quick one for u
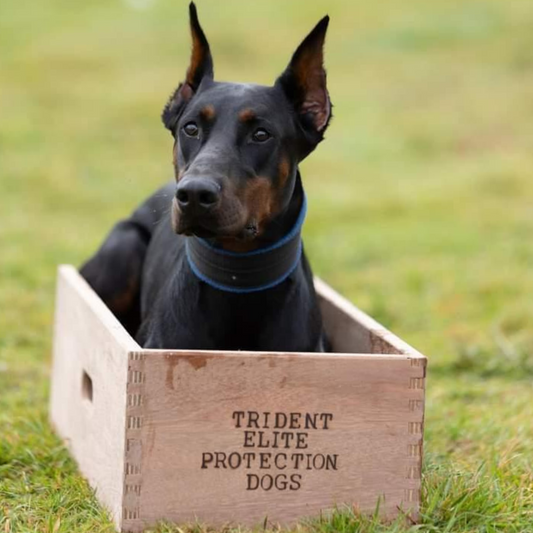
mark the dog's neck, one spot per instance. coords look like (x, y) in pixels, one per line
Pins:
(272, 261)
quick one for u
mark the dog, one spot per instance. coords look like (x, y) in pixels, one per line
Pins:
(214, 260)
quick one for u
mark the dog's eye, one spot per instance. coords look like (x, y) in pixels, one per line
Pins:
(260, 135)
(191, 129)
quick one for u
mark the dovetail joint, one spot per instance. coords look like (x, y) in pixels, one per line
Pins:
(411, 495)
(131, 443)
(413, 472)
(133, 489)
(415, 450)
(135, 422)
(135, 400)
(132, 469)
(416, 383)
(135, 377)
(415, 428)
(416, 405)
(131, 514)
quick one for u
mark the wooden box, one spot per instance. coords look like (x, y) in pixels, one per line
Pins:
(237, 437)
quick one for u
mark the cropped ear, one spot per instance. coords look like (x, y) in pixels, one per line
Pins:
(304, 83)
(200, 68)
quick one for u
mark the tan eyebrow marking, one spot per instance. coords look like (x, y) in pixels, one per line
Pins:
(208, 112)
(246, 115)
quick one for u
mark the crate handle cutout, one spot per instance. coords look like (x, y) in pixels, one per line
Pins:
(87, 387)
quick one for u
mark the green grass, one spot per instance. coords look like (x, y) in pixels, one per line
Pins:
(421, 212)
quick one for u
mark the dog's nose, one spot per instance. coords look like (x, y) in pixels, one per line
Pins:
(197, 195)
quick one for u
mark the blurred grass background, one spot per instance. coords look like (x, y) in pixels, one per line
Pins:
(421, 212)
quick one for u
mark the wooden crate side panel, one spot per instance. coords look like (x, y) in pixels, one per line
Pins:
(353, 331)
(370, 449)
(88, 341)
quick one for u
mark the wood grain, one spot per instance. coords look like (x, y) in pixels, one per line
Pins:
(171, 434)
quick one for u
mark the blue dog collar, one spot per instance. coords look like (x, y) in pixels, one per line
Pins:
(247, 272)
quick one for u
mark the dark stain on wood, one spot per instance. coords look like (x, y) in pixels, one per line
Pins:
(197, 361)
(169, 380)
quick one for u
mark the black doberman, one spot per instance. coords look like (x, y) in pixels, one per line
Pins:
(216, 262)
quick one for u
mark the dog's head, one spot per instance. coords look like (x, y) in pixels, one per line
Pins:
(237, 146)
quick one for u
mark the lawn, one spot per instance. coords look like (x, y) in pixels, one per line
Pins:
(421, 212)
